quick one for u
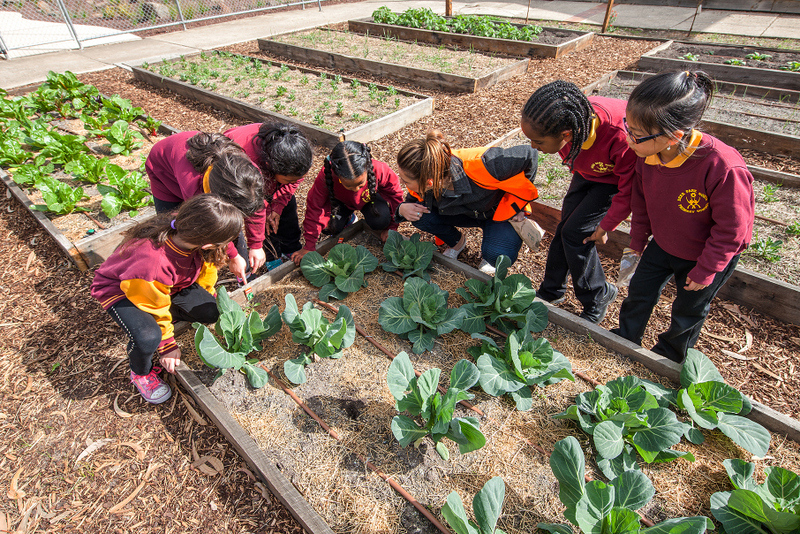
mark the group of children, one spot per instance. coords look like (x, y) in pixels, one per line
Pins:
(690, 196)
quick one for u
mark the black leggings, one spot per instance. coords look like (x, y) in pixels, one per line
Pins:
(376, 214)
(144, 335)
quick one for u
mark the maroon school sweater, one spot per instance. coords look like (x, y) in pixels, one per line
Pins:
(606, 158)
(698, 208)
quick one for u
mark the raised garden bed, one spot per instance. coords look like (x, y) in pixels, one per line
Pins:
(428, 67)
(728, 62)
(351, 396)
(318, 104)
(754, 282)
(551, 42)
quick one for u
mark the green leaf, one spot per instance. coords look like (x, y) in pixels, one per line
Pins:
(464, 375)
(111, 205)
(455, 515)
(406, 431)
(719, 397)
(749, 504)
(632, 490)
(466, 432)
(784, 486)
(614, 467)
(733, 521)
(488, 503)
(522, 398)
(555, 528)
(496, 377)
(621, 521)
(741, 473)
(698, 368)
(745, 433)
(680, 525)
(295, 369)
(663, 432)
(664, 395)
(212, 354)
(400, 373)
(595, 504)
(350, 333)
(427, 384)
(256, 375)
(394, 318)
(441, 449)
(313, 267)
(608, 439)
(567, 463)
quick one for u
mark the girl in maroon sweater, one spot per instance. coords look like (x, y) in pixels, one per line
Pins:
(589, 135)
(350, 180)
(694, 195)
(165, 270)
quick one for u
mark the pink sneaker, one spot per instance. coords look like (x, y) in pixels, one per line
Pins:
(153, 389)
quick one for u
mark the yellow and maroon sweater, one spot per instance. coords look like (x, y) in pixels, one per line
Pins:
(148, 275)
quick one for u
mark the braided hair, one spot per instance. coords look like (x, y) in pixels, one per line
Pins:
(348, 160)
(557, 107)
(425, 160)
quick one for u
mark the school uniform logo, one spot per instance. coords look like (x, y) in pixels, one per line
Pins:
(692, 201)
(602, 168)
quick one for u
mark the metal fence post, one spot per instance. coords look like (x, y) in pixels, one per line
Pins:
(3, 47)
(319, 3)
(180, 14)
(68, 20)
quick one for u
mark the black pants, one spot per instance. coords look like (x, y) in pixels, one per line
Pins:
(689, 310)
(584, 206)
(144, 335)
(376, 214)
(287, 239)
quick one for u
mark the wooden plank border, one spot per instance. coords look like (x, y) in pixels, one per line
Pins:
(427, 79)
(365, 133)
(730, 73)
(578, 39)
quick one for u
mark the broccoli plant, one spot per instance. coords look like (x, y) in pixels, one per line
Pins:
(342, 273)
(487, 505)
(242, 333)
(608, 508)
(126, 191)
(122, 139)
(411, 256)
(60, 198)
(420, 315)
(504, 301)
(753, 508)
(312, 329)
(419, 397)
(523, 362)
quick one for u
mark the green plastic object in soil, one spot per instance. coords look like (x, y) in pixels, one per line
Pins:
(242, 334)
(342, 273)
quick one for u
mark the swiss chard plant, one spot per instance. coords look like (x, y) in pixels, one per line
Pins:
(420, 315)
(60, 198)
(122, 139)
(325, 339)
(342, 273)
(522, 362)
(127, 191)
(87, 168)
(60, 148)
(30, 173)
(411, 256)
(487, 505)
(607, 508)
(753, 508)
(419, 397)
(623, 417)
(506, 302)
(242, 333)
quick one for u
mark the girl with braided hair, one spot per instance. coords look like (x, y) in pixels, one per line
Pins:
(284, 156)
(589, 135)
(350, 180)
(694, 195)
(187, 164)
(470, 187)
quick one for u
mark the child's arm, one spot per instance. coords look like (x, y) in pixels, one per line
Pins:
(390, 189)
(317, 216)
(640, 222)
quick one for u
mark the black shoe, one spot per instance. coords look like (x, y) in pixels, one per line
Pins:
(601, 309)
(554, 302)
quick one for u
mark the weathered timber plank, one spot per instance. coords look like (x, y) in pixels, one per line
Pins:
(776, 177)
(392, 122)
(740, 137)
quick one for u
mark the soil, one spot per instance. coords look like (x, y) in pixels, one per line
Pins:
(723, 54)
(62, 358)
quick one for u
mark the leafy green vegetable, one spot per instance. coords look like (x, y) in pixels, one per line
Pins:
(502, 301)
(608, 508)
(87, 168)
(420, 315)
(31, 173)
(60, 148)
(117, 108)
(60, 198)
(523, 362)
(480, 25)
(487, 505)
(419, 397)
(242, 333)
(123, 140)
(753, 508)
(411, 256)
(11, 152)
(311, 328)
(342, 273)
(127, 191)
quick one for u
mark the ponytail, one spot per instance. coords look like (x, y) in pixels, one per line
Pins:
(425, 160)
(204, 149)
(282, 149)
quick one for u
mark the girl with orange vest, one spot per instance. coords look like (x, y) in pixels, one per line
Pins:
(471, 187)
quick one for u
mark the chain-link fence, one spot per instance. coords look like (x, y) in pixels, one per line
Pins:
(41, 24)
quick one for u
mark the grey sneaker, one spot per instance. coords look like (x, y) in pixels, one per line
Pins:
(453, 252)
(601, 309)
(153, 389)
(486, 267)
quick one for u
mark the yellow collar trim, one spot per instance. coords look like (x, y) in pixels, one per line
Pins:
(592, 134)
(175, 247)
(694, 142)
(206, 188)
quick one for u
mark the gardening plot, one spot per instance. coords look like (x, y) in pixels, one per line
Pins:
(435, 68)
(351, 395)
(321, 105)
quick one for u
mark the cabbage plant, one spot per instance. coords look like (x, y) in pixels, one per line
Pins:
(420, 398)
(342, 273)
(487, 505)
(411, 256)
(420, 315)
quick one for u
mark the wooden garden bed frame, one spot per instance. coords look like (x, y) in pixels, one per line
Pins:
(90, 250)
(506, 47)
(729, 73)
(427, 79)
(291, 498)
(365, 133)
(764, 294)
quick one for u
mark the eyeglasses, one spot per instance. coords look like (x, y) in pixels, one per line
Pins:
(635, 139)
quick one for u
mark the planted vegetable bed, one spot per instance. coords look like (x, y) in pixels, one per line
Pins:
(476, 32)
(435, 68)
(319, 104)
(75, 159)
(731, 63)
(361, 396)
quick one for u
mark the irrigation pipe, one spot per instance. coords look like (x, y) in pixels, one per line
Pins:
(335, 435)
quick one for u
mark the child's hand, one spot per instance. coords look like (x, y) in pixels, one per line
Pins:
(599, 236)
(238, 267)
(257, 258)
(272, 222)
(693, 286)
(171, 360)
(298, 256)
(384, 235)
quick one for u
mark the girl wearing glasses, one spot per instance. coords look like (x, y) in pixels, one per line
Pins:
(694, 195)
(589, 135)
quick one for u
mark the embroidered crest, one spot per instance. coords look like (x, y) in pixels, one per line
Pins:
(365, 195)
(692, 201)
(603, 168)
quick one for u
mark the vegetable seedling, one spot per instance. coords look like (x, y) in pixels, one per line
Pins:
(411, 256)
(487, 505)
(342, 273)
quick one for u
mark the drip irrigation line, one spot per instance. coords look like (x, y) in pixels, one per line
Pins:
(335, 435)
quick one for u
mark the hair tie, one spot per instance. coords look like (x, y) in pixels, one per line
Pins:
(172, 224)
